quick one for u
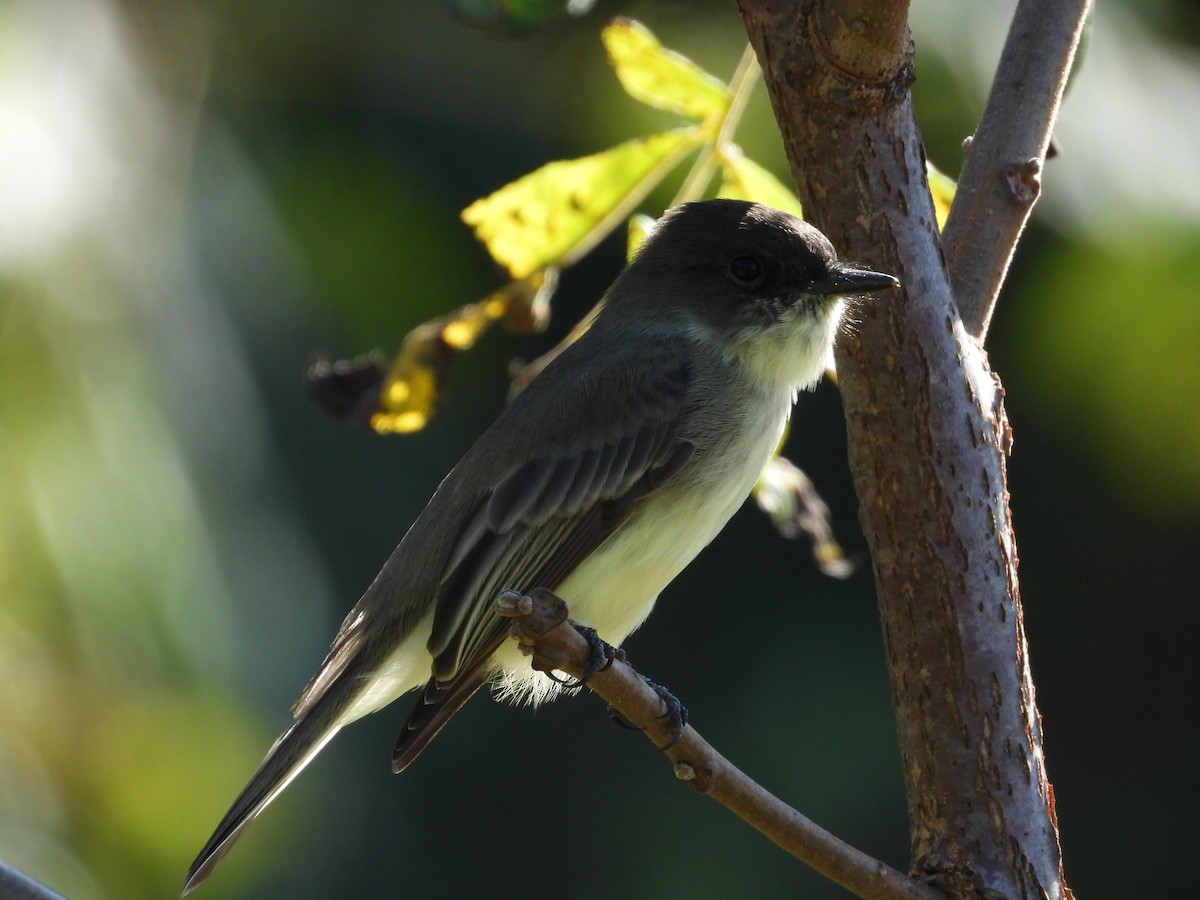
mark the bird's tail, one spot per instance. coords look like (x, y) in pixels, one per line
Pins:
(293, 750)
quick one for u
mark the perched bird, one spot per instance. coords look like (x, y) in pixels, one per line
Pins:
(601, 481)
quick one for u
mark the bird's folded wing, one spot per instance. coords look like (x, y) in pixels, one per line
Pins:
(544, 517)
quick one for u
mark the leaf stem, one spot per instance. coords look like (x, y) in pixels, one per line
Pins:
(745, 77)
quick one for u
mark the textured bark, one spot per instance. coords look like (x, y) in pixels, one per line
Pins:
(928, 438)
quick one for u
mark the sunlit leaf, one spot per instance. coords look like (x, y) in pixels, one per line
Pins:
(942, 187)
(536, 220)
(660, 77)
(415, 382)
(419, 372)
(789, 497)
(744, 179)
(405, 402)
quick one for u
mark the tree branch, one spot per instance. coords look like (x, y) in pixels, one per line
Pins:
(15, 885)
(542, 629)
(1001, 178)
(928, 437)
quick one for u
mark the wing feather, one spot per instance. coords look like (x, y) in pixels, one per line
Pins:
(545, 516)
(585, 474)
(550, 502)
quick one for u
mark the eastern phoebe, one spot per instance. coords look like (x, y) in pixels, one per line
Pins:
(601, 481)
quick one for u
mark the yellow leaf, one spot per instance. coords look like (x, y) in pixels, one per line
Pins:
(942, 187)
(414, 383)
(418, 373)
(463, 328)
(537, 220)
(659, 77)
(744, 179)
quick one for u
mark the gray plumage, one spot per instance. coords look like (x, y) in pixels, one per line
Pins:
(602, 480)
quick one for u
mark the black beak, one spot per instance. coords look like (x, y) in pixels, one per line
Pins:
(847, 280)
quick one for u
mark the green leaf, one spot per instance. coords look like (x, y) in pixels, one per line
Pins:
(560, 209)
(744, 179)
(659, 77)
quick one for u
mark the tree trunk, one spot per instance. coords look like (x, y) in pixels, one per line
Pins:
(928, 442)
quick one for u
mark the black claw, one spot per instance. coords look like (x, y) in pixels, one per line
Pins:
(621, 722)
(602, 657)
(676, 712)
(603, 653)
(565, 680)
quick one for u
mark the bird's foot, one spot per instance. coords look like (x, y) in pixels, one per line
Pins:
(675, 712)
(602, 658)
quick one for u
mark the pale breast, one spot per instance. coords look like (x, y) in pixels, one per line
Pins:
(615, 589)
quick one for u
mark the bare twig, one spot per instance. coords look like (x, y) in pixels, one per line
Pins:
(541, 627)
(1001, 178)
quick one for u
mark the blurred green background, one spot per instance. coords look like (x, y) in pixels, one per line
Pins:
(196, 197)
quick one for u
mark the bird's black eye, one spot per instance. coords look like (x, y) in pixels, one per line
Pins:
(745, 269)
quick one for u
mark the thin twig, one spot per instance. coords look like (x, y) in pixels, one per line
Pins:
(1001, 178)
(745, 77)
(541, 627)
